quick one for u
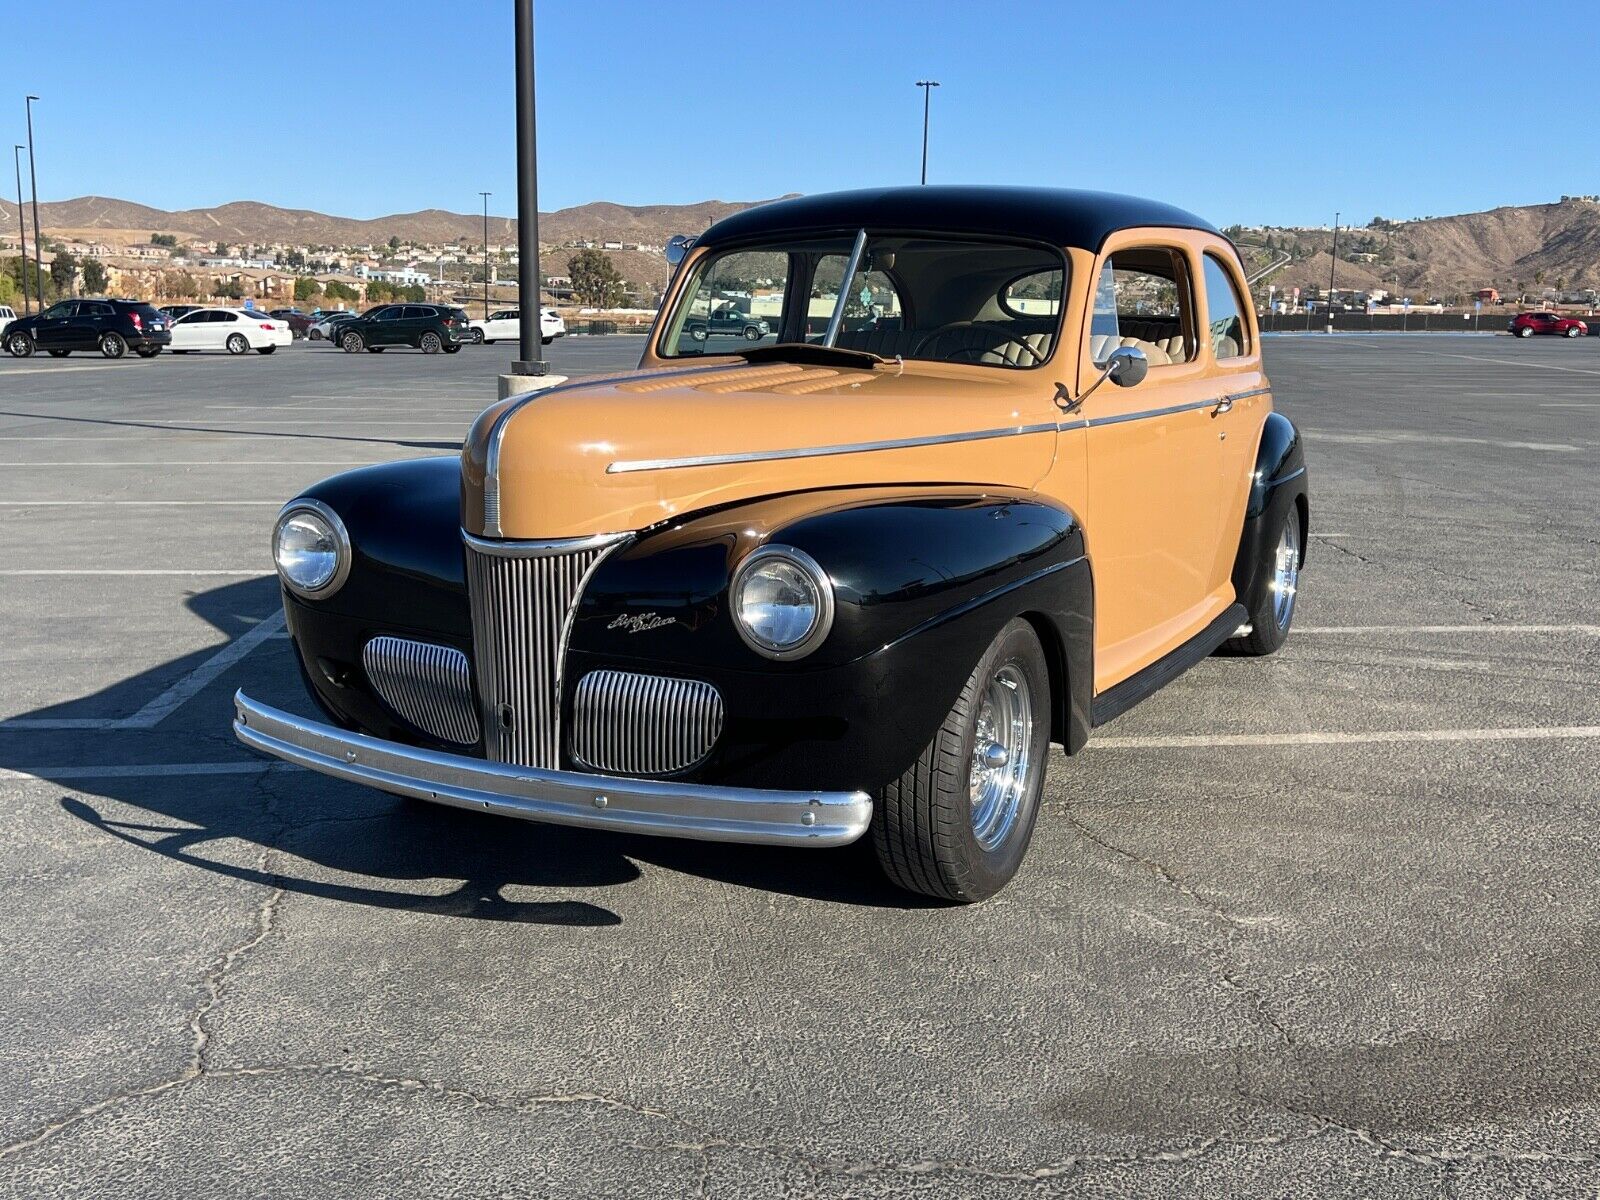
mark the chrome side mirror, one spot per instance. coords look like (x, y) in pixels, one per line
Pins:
(1127, 366)
(677, 248)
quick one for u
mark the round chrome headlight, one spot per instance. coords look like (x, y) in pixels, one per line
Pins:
(782, 602)
(311, 549)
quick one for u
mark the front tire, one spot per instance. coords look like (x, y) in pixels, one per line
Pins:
(113, 345)
(752, 334)
(1272, 609)
(1525, 331)
(546, 341)
(1573, 331)
(352, 343)
(956, 826)
(19, 344)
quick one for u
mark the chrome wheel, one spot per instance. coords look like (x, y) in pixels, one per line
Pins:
(1286, 573)
(1001, 750)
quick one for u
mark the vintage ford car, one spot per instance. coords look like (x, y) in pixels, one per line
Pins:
(1006, 464)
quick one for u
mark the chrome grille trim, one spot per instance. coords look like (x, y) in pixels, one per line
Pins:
(631, 724)
(522, 609)
(428, 685)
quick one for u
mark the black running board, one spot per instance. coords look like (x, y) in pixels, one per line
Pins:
(1115, 701)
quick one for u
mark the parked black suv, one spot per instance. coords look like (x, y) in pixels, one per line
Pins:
(429, 327)
(112, 327)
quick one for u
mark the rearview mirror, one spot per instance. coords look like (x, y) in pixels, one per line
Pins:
(1127, 366)
(678, 247)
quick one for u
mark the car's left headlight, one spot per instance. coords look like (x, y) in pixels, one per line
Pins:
(311, 549)
(782, 602)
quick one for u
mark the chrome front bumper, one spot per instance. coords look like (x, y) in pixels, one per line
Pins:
(687, 810)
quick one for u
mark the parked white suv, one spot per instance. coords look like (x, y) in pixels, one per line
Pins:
(7, 315)
(504, 326)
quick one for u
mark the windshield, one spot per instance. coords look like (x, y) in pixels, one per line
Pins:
(909, 296)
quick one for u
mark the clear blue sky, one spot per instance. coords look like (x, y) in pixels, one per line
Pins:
(1275, 112)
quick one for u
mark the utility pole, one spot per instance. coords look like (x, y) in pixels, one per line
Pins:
(530, 323)
(33, 184)
(485, 196)
(22, 229)
(1333, 265)
(927, 86)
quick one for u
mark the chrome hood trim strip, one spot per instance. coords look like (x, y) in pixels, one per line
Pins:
(515, 548)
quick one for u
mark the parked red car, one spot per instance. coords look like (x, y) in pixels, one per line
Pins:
(1528, 324)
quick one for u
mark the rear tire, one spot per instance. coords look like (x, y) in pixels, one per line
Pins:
(430, 343)
(477, 337)
(546, 341)
(453, 349)
(375, 349)
(113, 345)
(265, 349)
(149, 351)
(180, 352)
(1272, 609)
(957, 825)
(237, 343)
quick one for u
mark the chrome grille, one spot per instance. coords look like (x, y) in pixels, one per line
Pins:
(430, 686)
(522, 601)
(633, 724)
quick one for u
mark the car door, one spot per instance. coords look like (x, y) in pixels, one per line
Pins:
(50, 331)
(384, 327)
(92, 320)
(1153, 454)
(189, 331)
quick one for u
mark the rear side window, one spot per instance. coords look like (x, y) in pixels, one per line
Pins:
(1036, 295)
(1229, 335)
(1143, 299)
(96, 310)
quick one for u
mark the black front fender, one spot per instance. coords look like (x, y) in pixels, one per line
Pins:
(1278, 487)
(923, 580)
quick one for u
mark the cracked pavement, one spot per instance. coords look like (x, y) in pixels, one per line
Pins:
(1347, 969)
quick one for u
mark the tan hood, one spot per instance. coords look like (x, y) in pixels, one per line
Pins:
(625, 452)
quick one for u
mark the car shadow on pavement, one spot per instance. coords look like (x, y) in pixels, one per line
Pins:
(322, 837)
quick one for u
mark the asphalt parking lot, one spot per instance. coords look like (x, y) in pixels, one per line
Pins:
(1320, 924)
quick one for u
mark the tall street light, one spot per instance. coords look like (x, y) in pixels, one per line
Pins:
(33, 185)
(927, 86)
(485, 196)
(530, 358)
(1332, 267)
(22, 229)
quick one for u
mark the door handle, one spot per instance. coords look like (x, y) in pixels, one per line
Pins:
(1222, 406)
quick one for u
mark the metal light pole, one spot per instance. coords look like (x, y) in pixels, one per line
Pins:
(22, 229)
(1333, 265)
(927, 86)
(530, 360)
(485, 196)
(33, 185)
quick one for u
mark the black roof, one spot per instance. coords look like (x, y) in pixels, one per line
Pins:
(1058, 216)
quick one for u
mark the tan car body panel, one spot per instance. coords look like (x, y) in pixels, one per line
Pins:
(604, 455)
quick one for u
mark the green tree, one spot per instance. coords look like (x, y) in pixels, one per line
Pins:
(94, 277)
(231, 290)
(394, 244)
(63, 272)
(595, 279)
(334, 290)
(379, 292)
(306, 288)
(163, 239)
(222, 249)
(296, 260)
(8, 288)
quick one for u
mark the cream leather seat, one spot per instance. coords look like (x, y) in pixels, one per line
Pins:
(1161, 340)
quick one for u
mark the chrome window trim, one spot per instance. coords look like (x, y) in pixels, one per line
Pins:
(748, 456)
(341, 535)
(825, 602)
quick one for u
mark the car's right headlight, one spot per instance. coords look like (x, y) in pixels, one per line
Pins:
(782, 602)
(311, 549)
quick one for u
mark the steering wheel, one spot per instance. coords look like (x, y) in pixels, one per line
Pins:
(976, 353)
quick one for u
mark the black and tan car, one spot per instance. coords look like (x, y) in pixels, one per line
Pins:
(1010, 465)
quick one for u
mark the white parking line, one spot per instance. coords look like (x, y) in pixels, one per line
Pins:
(1208, 741)
(214, 462)
(164, 705)
(132, 503)
(1509, 362)
(99, 571)
(1573, 629)
(143, 770)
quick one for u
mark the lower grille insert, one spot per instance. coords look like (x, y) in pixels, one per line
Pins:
(429, 686)
(632, 724)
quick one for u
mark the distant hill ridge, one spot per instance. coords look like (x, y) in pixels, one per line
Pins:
(1554, 244)
(251, 221)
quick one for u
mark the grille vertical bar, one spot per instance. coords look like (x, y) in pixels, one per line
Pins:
(632, 724)
(520, 611)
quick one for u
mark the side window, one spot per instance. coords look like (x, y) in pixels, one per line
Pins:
(1036, 295)
(1143, 299)
(1229, 334)
(873, 302)
(97, 310)
(57, 312)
